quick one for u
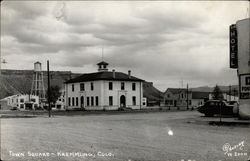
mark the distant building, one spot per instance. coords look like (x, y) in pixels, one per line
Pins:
(23, 102)
(199, 98)
(104, 90)
(178, 97)
(60, 103)
(226, 97)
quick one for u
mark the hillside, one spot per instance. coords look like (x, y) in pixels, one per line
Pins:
(234, 88)
(20, 81)
(151, 93)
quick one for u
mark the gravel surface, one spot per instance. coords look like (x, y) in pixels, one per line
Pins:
(183, 135)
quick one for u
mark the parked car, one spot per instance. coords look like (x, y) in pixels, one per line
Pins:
(214, 107)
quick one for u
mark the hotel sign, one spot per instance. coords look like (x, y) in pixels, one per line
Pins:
(245, 86)
(233, 47)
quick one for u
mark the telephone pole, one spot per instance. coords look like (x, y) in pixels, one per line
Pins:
(187, 97)
(48, 97)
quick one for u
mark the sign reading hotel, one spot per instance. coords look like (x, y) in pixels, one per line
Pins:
(245, 86)
(233, 47)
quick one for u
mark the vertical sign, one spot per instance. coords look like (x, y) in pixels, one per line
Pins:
(245, 86)
(233, 47)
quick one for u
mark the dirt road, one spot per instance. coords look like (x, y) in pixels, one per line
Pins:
(124, 137)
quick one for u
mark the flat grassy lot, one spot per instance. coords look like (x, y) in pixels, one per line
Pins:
(140, 136)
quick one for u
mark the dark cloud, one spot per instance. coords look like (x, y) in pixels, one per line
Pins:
(159, 41)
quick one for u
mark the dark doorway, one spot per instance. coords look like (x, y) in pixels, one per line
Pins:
(82, 102)
(174, 103)
(122, 101)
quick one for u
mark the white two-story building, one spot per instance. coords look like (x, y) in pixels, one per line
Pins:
(104, 90)
(23, 101)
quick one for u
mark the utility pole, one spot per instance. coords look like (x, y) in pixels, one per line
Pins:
(234, 93)
(48, 98)
(187, 97)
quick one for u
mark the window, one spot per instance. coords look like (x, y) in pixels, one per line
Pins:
(110, 100)
(190, 102)
(73, 88)
(92, 86)
(92, 101)
(110, 85)
(96, 101)
(133, 86)
(69, 101)
(21, 106)
(134, 100)
(22, 100)
(82, 87)
(122, 85)
(33, 100)
(76, 101)
(73, 101)
(87, 101)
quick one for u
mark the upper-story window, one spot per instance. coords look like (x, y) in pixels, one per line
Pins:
(21, 100)
(133, 86)
(122, 85)
(82, 87)
(110, 85)
(73, 87)
(92, 86)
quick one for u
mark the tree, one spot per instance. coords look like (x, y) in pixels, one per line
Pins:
(54, 93)
(217, 93)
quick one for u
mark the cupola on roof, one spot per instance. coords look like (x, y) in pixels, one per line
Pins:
(102, 66)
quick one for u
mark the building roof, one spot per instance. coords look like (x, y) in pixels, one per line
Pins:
(200, 95)
(103, 63)
(119, 76)
(177, 90)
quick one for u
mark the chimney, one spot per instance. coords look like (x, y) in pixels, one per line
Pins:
(113, 73)
(129, 74)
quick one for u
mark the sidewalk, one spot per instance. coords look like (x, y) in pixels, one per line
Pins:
(227, 121)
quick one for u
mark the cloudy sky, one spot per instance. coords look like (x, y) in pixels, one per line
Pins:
(163, 42)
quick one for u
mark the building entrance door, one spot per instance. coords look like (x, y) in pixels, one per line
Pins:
(122, 101)
(82, 102)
